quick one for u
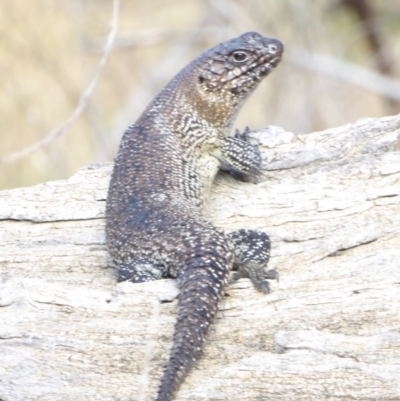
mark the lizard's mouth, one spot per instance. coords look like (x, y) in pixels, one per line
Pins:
(267, 61)
(260, 67)
(248, 79)
(267, 64)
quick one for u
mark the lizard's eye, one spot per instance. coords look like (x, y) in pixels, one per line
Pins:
(240, 56)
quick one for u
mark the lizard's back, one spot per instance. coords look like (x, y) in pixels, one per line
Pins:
(158, 187)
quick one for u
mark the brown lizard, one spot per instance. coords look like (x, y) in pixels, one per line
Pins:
(162, 176)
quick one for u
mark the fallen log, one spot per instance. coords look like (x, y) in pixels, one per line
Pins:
(330, 329)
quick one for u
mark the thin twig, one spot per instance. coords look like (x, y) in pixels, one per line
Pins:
(83, 100)
(348, 72)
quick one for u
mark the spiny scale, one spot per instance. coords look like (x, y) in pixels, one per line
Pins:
(162, 176)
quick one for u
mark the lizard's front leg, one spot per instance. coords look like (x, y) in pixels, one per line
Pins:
(241, 158)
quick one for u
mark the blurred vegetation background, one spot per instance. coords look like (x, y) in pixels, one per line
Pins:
(341, 63)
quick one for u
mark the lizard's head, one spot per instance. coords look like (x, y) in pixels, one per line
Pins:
(237, 66)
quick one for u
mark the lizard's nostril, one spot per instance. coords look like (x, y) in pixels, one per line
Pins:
(273, 49)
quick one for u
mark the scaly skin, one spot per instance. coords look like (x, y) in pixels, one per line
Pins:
(162, 176)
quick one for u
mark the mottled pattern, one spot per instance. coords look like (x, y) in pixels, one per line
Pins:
(162, 176)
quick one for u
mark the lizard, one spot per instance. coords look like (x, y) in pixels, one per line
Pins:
(167, 160)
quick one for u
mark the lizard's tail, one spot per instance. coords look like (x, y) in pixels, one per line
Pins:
(201, 287)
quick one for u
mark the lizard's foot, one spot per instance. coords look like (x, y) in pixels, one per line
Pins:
(252, 251)
(244, 136)
(258, 276)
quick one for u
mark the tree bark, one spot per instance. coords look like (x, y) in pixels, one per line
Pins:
(329, 330)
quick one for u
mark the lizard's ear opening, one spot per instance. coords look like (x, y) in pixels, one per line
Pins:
(201, 79)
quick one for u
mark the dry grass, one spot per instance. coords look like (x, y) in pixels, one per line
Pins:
(49, 49)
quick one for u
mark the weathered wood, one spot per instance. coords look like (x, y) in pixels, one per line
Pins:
(329, 330)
